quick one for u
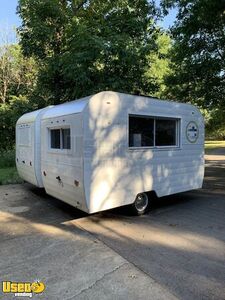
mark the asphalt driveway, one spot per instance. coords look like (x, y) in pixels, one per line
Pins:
(180, 243)
(177, 251)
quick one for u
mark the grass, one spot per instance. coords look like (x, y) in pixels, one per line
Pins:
(7, 159)
(9, 175)
(212, 145)
(8, 172)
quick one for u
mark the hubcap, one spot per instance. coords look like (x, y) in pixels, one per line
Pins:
(141, 202)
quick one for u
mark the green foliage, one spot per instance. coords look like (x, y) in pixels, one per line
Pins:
(216, 119)
(8, 172)
(7, 159)
(17, 73)
(198, 54)
(218, 134)
(159, 64)
(215, 124)
(9, 113)
(88, 46)
(17, 82)
(9, 176)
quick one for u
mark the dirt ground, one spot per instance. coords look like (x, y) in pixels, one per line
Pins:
(177, 251)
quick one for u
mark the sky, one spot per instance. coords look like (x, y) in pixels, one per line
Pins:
(8, 13)
(9, 18)
(169, 19)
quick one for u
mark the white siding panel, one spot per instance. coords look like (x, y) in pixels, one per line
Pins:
(114, 174)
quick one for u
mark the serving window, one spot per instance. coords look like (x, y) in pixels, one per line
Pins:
(60, 138)
(148, 131)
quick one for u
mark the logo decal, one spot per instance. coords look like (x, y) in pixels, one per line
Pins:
(192, 132)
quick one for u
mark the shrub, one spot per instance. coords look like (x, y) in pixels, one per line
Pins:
(9, 114)
(218, 134)
(7, 159)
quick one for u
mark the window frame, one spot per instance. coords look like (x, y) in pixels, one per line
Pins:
(61, 149)
(157, 117)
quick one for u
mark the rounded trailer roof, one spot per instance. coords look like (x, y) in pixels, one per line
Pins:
(67, 108)
(29, 117)
(77, 106)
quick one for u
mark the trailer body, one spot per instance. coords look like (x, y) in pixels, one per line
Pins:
(99, 152)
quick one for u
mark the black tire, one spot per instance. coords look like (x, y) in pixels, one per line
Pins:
(140, 205)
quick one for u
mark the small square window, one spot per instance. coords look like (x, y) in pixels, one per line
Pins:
(60, 138)
(55, 138)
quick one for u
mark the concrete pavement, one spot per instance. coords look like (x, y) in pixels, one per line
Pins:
(38, 243)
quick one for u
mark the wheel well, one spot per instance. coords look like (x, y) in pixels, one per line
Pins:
(152, 195)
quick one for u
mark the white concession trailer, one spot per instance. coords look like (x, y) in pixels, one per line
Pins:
(112, 149)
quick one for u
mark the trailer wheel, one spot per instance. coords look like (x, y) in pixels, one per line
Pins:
(141, 204)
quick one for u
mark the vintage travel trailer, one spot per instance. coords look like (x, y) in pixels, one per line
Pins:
(112, 149)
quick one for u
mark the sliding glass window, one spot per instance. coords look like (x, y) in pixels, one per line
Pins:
(148, 131)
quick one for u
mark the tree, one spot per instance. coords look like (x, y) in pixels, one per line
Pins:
(17, 82)
(87, 46)
(17, 74)
(9, 114)
(198, 53)
(158, 67)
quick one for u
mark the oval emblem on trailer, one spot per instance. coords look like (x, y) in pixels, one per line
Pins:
(192, 132)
